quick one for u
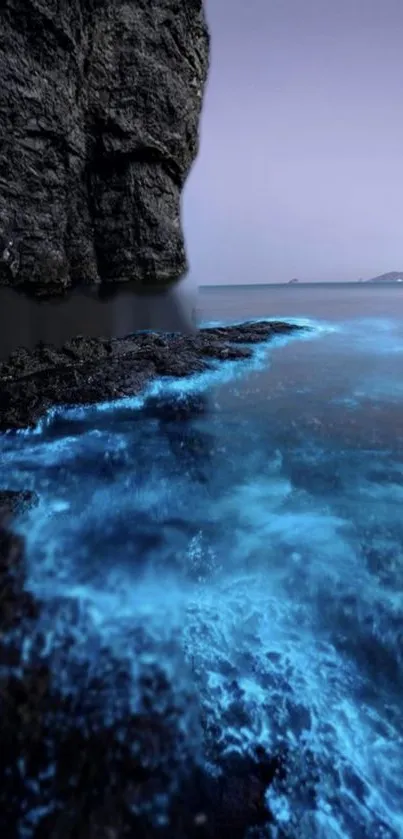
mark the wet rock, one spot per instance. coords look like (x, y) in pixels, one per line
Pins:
(13, 502)
(185, 407)
(15, 603)
(90, 370)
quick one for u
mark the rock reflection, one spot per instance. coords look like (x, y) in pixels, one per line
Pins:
(93, 311)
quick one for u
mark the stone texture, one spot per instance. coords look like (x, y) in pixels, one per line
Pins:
(99, 110)
(89, 370)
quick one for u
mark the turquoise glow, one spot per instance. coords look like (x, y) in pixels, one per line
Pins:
(260, 566)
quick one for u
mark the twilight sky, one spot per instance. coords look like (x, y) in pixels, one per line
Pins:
(300, 171)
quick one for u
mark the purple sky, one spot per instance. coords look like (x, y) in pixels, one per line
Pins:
(300, 171)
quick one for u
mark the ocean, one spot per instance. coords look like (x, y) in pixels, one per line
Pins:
(253, 550)
(350, 383)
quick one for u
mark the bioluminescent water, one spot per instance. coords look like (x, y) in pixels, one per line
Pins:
(256, 550)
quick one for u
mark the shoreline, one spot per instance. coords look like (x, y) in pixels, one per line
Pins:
(87, 371)
(43, 729)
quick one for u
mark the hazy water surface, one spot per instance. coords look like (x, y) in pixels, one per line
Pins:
(352, 381)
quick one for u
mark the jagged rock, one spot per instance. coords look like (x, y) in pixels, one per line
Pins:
(99, 110)
(89, 370)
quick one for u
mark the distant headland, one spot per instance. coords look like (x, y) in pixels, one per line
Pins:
(391, 277)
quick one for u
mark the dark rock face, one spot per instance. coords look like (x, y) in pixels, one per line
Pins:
(89, 370)
(99, 110)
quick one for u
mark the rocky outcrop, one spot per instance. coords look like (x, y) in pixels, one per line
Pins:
(85, 370)
(99, 109)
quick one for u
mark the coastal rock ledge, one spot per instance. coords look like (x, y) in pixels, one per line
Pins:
(89, 370)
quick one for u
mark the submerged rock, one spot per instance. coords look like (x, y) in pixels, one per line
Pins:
(99, 115)
(89, 370)
(13, 502)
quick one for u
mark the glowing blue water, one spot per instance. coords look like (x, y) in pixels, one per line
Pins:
(259, 550)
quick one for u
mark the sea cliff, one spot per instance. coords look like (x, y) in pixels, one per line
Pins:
(99, 103)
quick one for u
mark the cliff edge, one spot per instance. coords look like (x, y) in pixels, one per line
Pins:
(99, 112)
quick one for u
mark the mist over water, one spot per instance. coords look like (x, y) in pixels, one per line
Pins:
(256, 550)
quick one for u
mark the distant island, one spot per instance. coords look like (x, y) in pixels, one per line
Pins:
(391, 277)
(292, 282)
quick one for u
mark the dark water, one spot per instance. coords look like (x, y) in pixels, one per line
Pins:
(94, 311)
(357, 367)
(260, 543)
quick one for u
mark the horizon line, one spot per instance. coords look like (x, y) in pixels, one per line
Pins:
(301, 282)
